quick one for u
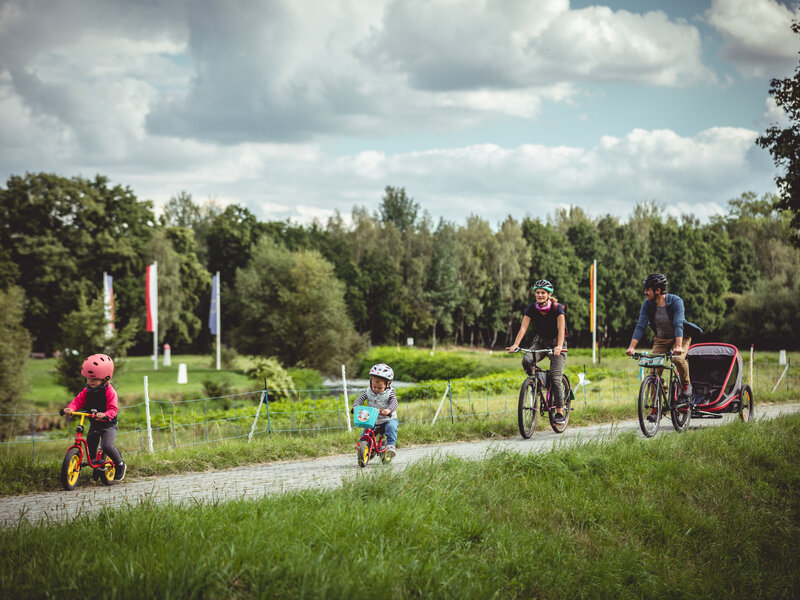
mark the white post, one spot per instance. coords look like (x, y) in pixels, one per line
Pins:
(219, 323)
(258, 411)
(346, 405)
(594, 311)
(780, 379)
(147, 417)
(751, 366)
(440, 403)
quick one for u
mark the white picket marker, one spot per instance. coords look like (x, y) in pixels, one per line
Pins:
(346, 405)
(440, 403)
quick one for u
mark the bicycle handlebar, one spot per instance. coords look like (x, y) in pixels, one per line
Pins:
(638, 355)
(547, 351)
(92, 415)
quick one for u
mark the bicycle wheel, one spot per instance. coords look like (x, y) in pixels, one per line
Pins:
(680, 411)
(567, 388)
(71, 469)
(528, 406)
(649, 406)
(748, 407)
(363, 453)
(107, 474)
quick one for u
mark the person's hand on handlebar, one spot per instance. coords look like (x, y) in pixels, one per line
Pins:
(386, 412)
(67, 411)
(630, 351)
(99, 415)
(512, 348)
(557, 351)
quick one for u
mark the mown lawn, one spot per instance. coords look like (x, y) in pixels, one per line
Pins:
(712, 513)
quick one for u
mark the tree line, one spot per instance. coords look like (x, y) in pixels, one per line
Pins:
(314, 295)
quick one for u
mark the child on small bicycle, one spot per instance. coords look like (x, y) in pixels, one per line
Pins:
(380, 395)
(550, 331)
(100, 395)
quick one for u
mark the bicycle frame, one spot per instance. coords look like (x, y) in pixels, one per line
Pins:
(377, 444)
(658, 372)
(82, 445)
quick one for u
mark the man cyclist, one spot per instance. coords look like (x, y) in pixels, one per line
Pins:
(665, 313)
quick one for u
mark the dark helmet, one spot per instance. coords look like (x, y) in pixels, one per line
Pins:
(657, 281)
(543, 284)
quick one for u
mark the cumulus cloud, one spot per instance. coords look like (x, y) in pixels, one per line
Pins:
(756, 34)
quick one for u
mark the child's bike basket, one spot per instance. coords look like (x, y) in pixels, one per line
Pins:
(365, 417)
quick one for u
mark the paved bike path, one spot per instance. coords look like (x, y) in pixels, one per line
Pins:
(256, 481)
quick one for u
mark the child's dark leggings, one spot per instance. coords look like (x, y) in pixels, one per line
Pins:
(105, 436)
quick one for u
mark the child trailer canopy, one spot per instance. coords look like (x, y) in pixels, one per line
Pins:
(716, 374)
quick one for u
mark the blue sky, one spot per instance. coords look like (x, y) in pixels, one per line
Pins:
(298, 109)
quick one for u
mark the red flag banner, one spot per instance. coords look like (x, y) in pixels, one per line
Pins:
(151, 294)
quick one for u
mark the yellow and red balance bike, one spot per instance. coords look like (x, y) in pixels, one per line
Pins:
(73, 461)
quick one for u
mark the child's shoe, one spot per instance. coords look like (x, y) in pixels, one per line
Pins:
(390, 453)
(119, 471)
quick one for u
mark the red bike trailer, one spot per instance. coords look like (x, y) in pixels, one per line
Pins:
(716, 373)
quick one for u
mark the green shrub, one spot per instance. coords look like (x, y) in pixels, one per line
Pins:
(278, 381)
(410, 364)
(215, 389)
(306, 379)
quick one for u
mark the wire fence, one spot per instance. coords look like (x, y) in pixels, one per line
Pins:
(204, 420)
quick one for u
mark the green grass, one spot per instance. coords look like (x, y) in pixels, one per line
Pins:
(43, 392)
(712, 513)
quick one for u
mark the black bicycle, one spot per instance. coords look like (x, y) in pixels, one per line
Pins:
(536, 396)
(653, 402)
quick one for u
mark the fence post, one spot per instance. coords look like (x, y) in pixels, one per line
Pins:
(236, 412)
(346, 403)
(205, 419)
(450, 393)
(147, 417)
(584, 387)
(255, 420)
(172, 424)
(266, 400)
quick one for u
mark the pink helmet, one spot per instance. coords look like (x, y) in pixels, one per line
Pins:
(382, 370)
(98, 366)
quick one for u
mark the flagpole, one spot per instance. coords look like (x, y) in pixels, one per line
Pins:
(594, 311)
(219, 323)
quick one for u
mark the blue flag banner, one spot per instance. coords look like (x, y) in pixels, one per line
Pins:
(212, 313)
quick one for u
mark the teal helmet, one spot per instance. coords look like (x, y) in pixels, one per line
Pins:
(543, 284)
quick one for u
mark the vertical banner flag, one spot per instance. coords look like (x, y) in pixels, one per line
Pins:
(591, 297)
(212, 313)
(108, 303)
(151, 292)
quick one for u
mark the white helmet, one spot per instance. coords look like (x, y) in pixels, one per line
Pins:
(382, 370)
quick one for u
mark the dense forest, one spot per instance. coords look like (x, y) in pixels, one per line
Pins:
(314, 295)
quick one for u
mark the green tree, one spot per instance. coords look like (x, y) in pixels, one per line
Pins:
(397, 208)
(80, 335)
(784, 145)
(292, 306)
(62, 234)
(15, 348)
(474, 241)
(443, 289)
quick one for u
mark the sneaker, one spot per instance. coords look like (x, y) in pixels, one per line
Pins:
(119, 471)
(390, 453)
(558, 418)
(652, 416)
(686, 392)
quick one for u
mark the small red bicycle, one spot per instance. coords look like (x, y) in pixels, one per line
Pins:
(373, 440)
(104, 469)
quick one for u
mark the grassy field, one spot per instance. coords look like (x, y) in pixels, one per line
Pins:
(712, 513)
(43, 392)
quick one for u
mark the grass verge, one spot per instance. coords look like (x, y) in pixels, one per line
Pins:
(712, 513)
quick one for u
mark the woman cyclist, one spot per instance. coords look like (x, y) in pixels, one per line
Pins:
(550, 331)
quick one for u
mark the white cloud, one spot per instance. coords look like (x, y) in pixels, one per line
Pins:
(756, 33)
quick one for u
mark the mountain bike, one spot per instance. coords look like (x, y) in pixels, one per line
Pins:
(536, 396)
(372, 442)
(653, 401)
(103, 468)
